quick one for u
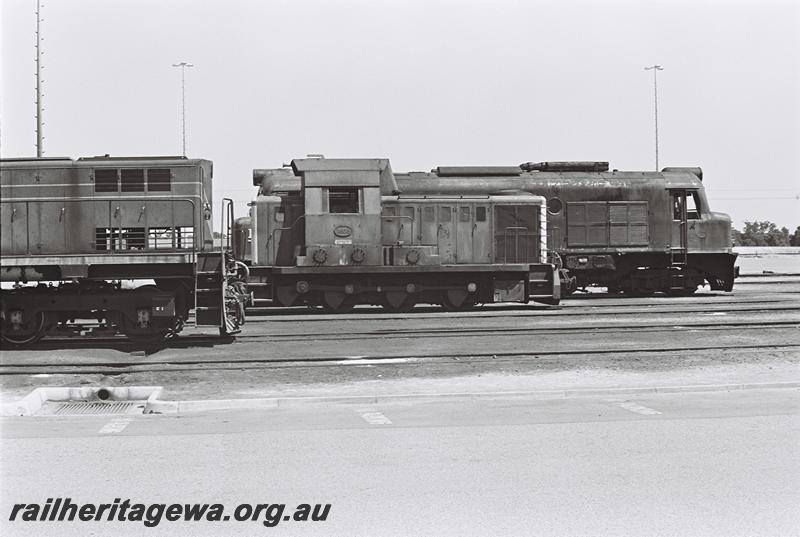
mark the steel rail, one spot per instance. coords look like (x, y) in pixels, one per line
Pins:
(109, 368)
(515, 312)
(199, 339)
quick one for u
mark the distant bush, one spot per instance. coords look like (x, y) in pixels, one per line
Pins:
(794, 240)
(765, 233)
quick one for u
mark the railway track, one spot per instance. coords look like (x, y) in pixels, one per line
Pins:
(607, 322)
(178, 365)
(189, 341)
(549, 311)
(147, 359)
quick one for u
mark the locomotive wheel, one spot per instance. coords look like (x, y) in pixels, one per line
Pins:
(333, 302)
(31, 332)
(151, 334)
(158, 328)
(398, 302)
(456, 300)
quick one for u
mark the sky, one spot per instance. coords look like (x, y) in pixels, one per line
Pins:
(421, 82)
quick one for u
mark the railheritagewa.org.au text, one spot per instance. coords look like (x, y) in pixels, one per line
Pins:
(153, 514)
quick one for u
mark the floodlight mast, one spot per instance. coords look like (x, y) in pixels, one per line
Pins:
(655, 69)
(39, 134)
(183, 66)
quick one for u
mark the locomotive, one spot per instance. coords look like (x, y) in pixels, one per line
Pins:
(632, 232)
(340, 232)
(126, 242)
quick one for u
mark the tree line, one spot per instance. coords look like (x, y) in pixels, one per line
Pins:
(765, 233)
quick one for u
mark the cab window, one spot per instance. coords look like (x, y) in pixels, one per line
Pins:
(343, 200)
(693, 206)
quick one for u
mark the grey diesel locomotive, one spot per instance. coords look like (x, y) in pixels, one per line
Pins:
(632, 232)
(341, 232)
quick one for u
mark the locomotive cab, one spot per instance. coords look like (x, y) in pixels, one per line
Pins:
(342, 202)
(697, 236)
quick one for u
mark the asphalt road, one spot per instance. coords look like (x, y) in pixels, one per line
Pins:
(721, 463)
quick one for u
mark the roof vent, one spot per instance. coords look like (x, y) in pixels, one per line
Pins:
(476, 171)
(555, 166)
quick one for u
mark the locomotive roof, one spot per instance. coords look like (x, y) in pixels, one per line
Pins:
(503, 177)
(34, 162)
(429, 181)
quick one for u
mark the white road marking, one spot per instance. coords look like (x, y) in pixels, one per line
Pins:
(639, 409)
(114, 426)
(375, 418)
(362, 361)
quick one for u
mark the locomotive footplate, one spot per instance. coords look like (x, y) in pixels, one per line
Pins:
(398, 288)
(400, 269)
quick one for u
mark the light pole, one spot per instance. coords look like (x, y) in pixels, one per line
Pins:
(39, 136)
(183, 66)
(655, 69)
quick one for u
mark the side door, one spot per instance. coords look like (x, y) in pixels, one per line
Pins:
(288, 230)
(14, 228)
(481, 234)
(445, 233)
(516, 233)
(79, 225)
(464, 234)
(679, 228)
(46, 226)
(696, 233)
(428, 227)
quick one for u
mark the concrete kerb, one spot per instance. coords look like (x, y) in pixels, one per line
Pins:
(30, 404)
(34, 401)
(289, 402)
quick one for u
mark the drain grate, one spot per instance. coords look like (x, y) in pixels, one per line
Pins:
(87, 408)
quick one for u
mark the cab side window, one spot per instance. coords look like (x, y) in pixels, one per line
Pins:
(693, 206)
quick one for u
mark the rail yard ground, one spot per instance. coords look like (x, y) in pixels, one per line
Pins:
(591, 340)
(603, 416)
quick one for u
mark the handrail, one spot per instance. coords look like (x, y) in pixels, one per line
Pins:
(226, 223)
(271, 237)
(400, 229)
